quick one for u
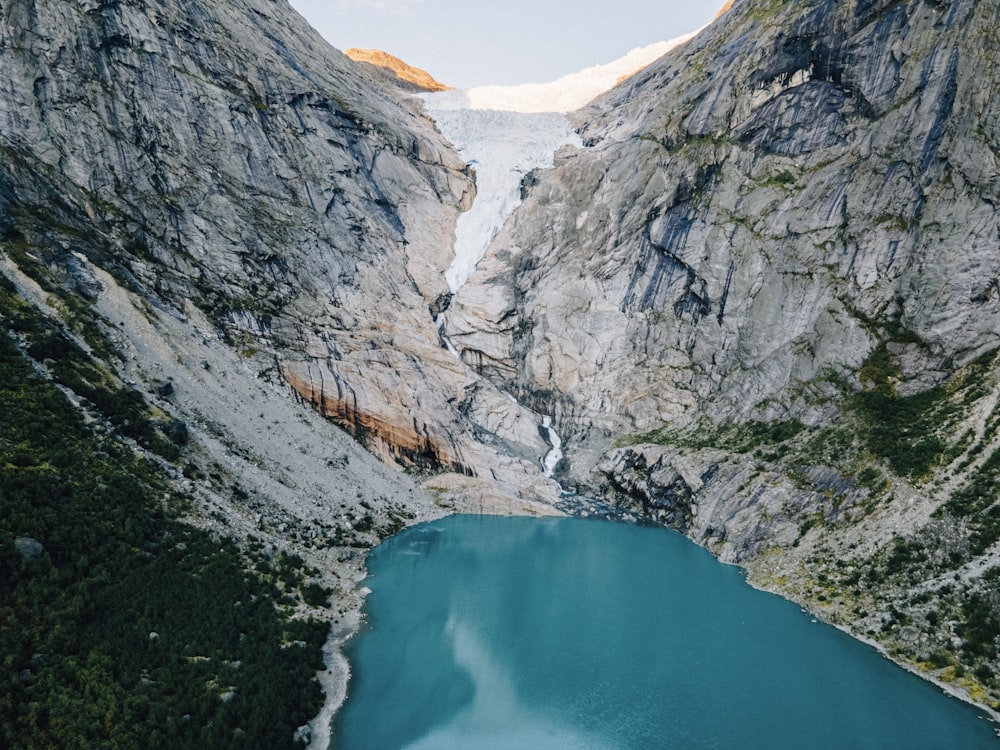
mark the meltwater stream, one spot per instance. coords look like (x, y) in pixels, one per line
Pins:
(520, 633)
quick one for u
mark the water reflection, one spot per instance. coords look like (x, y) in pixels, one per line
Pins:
(498, 718)
(559, 633)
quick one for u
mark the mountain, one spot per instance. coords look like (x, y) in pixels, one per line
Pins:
(758, 302)
(762, 305)
(419, 80)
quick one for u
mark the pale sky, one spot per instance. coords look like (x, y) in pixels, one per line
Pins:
(466, 43)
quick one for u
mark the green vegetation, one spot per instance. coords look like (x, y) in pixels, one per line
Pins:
(978, 501)
(879, 434)
(739, 437)
(967, 608)
(396, 519)
(980, 626)
(913, 434)
(903, 430)
(767, 11)
(784, 178)
(127, 628)
(894, 223)
(674, 140)
(73, 309)
(70, 366)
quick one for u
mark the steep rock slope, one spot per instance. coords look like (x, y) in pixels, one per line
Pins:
(749, 202)
(222, 155)
(762, 304)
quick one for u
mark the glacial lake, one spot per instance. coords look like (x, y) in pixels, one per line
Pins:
(491, 633)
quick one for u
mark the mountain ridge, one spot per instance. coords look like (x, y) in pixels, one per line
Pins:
(420, 79)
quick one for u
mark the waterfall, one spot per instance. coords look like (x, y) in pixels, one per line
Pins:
(555, 454)
(439, 322)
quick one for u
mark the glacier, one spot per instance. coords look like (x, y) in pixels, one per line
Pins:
(505, 132)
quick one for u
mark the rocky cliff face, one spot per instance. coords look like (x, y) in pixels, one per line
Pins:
(215, 168)
(759, 210)
(230, 160)
(762, 301)
(402, 73)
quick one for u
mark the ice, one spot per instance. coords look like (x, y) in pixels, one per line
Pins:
(565, 94)
(504, 132)
(502, 147)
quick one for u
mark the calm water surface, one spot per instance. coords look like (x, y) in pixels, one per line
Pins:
(507, 633)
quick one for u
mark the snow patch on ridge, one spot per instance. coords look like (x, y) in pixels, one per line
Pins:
(565, 94)
(502, 147)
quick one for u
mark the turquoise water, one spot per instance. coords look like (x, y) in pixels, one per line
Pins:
(501, 633)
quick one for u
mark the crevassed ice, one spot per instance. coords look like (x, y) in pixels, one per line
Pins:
(504, 132)
(502, 147)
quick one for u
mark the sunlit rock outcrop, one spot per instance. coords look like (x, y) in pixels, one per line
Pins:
(419, 79)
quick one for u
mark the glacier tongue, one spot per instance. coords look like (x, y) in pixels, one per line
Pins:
(502, 147)
(504, 132)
